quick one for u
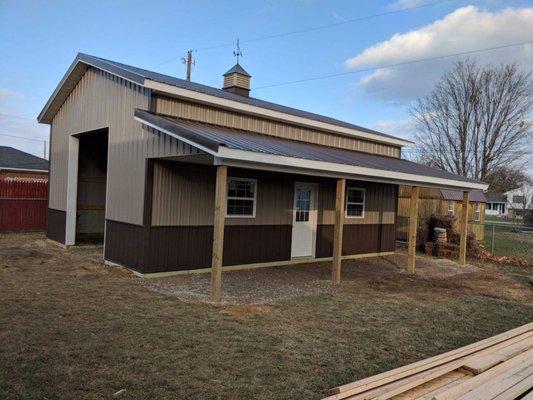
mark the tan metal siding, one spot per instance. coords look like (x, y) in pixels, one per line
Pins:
(183, 194)
(380, 204)
(218, 116)
(102, 100)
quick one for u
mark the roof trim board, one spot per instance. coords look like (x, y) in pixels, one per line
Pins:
(79, 67)
(180, 135)
(260, 160)
(23, 169)
(346, 170)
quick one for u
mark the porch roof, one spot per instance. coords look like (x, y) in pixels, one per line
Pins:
(253, 150)
(476, 195)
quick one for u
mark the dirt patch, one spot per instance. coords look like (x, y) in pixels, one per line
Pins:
(275, 284)
(246, 310)
(15, 253)
(258, 286)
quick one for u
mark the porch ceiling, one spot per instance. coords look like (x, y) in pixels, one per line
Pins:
(252, 150)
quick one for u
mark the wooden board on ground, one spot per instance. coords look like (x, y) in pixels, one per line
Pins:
(500, 367)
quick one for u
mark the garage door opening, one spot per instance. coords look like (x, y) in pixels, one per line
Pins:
(91, 196)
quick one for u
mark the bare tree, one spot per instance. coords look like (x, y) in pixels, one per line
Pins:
(475, 120)
(505, 178)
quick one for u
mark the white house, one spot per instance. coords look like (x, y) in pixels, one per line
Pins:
(519, 200)
(496, 205)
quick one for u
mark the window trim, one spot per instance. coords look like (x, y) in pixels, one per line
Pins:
(477, 210)
(235, 178)
(362, 216)
(452, 203)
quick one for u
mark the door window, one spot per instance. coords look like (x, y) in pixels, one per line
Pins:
(303, 204)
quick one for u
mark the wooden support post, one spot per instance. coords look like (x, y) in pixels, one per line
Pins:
(337, 233)
(463, 231)
(218, 231)
(413, 221)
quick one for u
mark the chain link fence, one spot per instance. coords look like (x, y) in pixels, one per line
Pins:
(509, 239)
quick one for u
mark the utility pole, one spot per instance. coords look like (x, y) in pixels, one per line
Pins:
(189, 62)
(44, 149)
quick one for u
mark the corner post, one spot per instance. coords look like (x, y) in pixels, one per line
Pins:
(218, 232)
(413, 221)
(463, 229)
(337, 233)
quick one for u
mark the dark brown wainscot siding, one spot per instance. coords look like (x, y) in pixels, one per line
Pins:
(357, 239)
(55, 225)
(174, 248)
(247, 244)
(124, 244)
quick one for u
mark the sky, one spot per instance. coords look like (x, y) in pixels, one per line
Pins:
(281, 42)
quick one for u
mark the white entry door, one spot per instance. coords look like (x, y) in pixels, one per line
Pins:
(304, 220)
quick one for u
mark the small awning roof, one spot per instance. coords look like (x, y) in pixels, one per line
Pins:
(237, 147)
(476, 195)
(497, 198)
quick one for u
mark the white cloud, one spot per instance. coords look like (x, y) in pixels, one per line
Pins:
(403, 4)
(404, 128)
(465, 29)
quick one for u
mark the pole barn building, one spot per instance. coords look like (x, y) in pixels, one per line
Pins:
(177, 176)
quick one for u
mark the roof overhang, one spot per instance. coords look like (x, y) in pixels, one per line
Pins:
(256, 160)
(83, 62)
(44, 171)
(248, 159)
(71, 78)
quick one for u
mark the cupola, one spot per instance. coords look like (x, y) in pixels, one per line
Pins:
(237, 80)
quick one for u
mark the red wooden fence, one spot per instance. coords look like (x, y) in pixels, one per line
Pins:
(22, 205)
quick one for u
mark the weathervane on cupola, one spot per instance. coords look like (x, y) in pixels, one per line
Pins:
(237, 53)
(237, 80)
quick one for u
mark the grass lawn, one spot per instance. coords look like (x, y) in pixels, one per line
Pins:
(73, 329)
(509, 243)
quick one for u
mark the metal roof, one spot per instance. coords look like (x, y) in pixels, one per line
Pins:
(497, 198)
(11, 158)
(237, 69)
(476, 195)
(213, 137)
(138, 75)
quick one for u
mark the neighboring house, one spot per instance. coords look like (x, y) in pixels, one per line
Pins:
(16, 164)
(443, 202)
(191, 177)
(23, 190)
(519, 201)
(496, 205)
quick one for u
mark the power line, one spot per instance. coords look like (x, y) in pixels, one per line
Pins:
(22, 137)
(16, 116)
(392, 65)
(311, 29)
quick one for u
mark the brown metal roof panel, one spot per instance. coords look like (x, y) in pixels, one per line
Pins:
(259, 143)
(476, 195)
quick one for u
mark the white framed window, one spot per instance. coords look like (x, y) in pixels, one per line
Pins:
(477, 212)
(519, 199)
(451, 208)
(355, 202)
(242, 194)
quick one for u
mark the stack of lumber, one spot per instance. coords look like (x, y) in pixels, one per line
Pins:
(500, 367)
